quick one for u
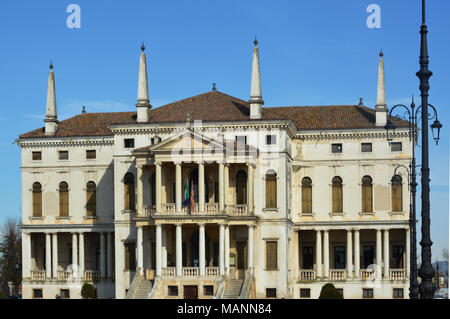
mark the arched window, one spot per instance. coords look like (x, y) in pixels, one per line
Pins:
(63, 199)
(306, 196)
(129, 192)
(337, 195)
(37, 200)
(397, 202)
(91, 199)
(366, 194)
(271, 189)
(241, 188)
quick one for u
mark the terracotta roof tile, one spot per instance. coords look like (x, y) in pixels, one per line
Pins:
(217, 106)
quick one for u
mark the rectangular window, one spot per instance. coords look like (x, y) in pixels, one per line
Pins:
(271, 139)
(63, 155)
(91, 154)
(130, 256)
(271, 255)
(305, 293)
(396, 146)
(339, 257)
(336, 148)
(37, 293)
(37, 156)
(367, 293)
(208, 290)
(241, 139)
(64, 293)
(173, 291)
(398, 292)
(366, 147)
(271, 292)
(128, 143)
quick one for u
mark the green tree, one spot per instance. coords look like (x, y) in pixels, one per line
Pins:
(330, 292)
(88, 291)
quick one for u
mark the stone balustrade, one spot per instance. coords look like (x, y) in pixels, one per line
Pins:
(190, 271)
(91, 275)
(397, 274)
(237, 210)
(38, 275)
(337, 274)
(168, 271)
(367, 274)
(307, 274)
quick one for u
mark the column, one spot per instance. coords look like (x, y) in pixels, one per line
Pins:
(227, 250)
(326, 253)
(26, 255)
(164, 248)
(357, 254)
(378, 258)
(102, 255)
(250, 188)
(140, 191)
(201, 187)
(158, 250)
(140, 249)
(349, 254)
(386, 254)
(158, 186)
(250, 247)
(408, 253)
(178, 187)
(226, 183)
(221, 249)
(55, 255)
(81, 257)
(48, 256)
(318, 253)
(201, 249)
(221, 187)
(75, 254)
(179, 249)
(109, 260)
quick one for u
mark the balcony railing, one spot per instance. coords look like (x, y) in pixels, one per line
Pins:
(367, 274)
(397, 274)
(307, 274)
(211, 209)
(91, 275)
(212, 271)
(190, 271)
(37, 274)
(168, 271)
(237, 210)
(337, 274)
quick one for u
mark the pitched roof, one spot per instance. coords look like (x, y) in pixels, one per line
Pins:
(218, 106)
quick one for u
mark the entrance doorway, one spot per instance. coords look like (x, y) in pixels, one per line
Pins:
(190, 292)
(308, 257)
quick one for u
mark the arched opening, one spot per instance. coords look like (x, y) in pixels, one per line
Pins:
(91, 199)
(241, 188)
(37, 200)
(63, 199)
(129, 191)
(306, 196)
(337, 195)
(367, 194)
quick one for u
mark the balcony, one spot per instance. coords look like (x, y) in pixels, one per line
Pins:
(306, 275)
(367, 274)
(38, 275)
(338, 274)
(169, 209)
(397, 274)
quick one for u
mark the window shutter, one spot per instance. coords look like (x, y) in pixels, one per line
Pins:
(37, 200)
(366, 194)
(271, 255)
(306, 196)
(397, 200)
(91, 199)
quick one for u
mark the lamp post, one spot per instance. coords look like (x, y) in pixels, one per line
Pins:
(412, 116)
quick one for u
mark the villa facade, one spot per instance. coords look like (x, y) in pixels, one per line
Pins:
(216, 197)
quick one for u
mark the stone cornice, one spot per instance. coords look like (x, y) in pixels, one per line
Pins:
(66, 141)
(330, 135)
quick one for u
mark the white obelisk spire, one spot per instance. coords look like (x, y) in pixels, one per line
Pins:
(381, 107)
(143, 101)
(51, 117)
(256, 101)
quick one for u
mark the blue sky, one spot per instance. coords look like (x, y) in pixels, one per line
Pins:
(312, 53)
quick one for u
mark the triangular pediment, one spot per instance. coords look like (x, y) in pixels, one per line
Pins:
(188, 139)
